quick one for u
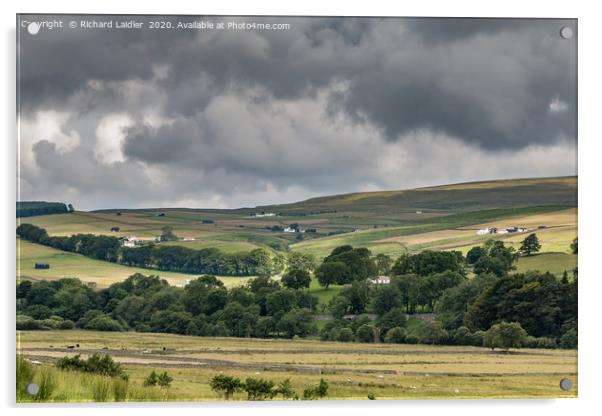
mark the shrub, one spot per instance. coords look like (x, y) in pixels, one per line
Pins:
(97, 364)
(319, 391)
(568, 340)
(365, 333)
(39, 312)
(151, 380)
(226, 385)
(50, 323)
(67, 324)
(505, 335)
(46, 383)
(285, 388)
(259, 389)
(461, 336)
(345, 335)
(164, 380)
(101, 387)
(477, 338)
(544, 342)
(395, 335)
(104, 323)
(530, 342)
(429, 332)
(25, 323)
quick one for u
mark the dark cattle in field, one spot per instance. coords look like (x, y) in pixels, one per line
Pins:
(115, 229)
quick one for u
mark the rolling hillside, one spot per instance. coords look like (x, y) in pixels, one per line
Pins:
(390, 222)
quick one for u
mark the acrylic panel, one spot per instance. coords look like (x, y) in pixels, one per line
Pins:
(233, 208)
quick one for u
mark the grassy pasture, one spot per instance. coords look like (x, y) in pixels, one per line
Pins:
(555, 263)
(65, 264)
(225, 246)
(352, 370)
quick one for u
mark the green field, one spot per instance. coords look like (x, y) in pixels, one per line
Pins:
(225, 246)
(102, 273)
(394, 223)
(555, 263)
(352, 370)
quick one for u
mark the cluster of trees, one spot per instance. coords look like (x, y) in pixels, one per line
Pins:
(492, 258)
(418, 281)
(262, 308)
(346, 264)
(32, 208)
(169, 258)
(262, 389)
(544, 306)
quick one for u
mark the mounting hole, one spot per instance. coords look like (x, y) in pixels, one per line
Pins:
(33, 28)
(566, 32)
(32, 389)
(566, 384)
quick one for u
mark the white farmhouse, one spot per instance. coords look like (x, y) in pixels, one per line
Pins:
(380, 280)
(129, 241)
(263, 214)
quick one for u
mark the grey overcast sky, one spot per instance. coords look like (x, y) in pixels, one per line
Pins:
(230, 118)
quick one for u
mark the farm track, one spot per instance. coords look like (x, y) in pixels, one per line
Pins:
(160, 354)
(169, 360)
(180, 362)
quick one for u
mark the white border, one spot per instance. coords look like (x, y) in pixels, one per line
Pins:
(590, 176)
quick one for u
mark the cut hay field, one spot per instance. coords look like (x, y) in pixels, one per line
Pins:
(65, 264)
(456, 231)
(352, 370)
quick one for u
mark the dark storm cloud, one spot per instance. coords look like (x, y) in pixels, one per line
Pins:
(486, 81)
(321, 107)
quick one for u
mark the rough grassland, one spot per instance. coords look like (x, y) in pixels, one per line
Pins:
(352, 370)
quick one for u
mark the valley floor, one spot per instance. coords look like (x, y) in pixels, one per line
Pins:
(352, 370)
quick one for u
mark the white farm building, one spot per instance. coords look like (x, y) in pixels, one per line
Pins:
(380, 280)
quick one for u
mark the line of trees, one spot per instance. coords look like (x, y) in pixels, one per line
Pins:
(258, 262)
(32, 208)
